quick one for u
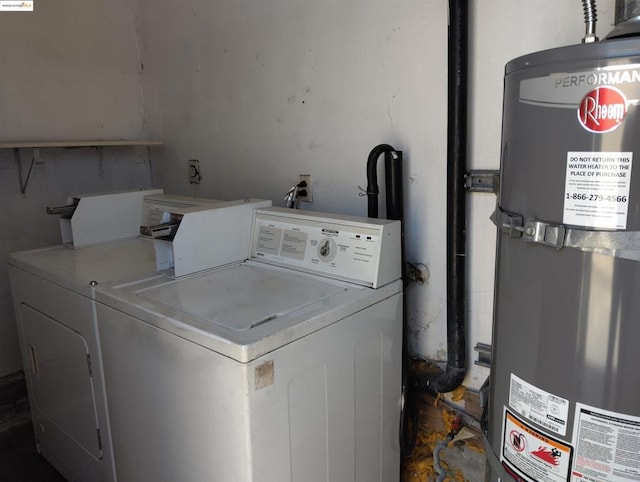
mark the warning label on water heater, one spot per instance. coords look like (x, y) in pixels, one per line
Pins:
(607, 445)
(533, 455)
(596, 192)
(544, 408)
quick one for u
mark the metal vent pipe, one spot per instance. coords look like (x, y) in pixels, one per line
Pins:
(626, 9)
(627, 19)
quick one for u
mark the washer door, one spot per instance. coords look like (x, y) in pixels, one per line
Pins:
(58, 369)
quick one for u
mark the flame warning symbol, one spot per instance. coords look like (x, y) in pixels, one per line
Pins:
(550, 456)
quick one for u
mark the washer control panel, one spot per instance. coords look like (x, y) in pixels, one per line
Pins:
(360, 250)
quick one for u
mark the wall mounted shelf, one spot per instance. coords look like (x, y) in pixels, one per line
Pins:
(35, 146)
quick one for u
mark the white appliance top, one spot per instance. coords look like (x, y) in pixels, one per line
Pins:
(245, 310)
(192, 239)
(127, 259)
(155, 206)
(75, 269)
(103, 217)
(243, 297)
(308, 270)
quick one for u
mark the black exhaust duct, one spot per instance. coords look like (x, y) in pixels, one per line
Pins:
(455, 371)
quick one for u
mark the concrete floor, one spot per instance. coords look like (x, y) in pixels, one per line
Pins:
(19, 460)
(463, 458)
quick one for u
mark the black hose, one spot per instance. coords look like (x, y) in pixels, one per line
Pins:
(408, 425)
(393, 186)
(372, 178)
(395, 210)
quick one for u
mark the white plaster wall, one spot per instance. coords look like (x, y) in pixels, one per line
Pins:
(69, 70)
(260, 92)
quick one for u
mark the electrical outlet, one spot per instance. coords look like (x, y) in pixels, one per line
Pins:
(194, 171)
(305, 178)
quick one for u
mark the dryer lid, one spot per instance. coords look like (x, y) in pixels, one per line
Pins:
(76, 269)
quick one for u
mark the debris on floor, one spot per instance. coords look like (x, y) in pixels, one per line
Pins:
(447, 447)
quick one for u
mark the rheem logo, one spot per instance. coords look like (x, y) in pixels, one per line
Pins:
(602, 110)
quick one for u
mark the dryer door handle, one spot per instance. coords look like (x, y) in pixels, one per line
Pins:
(34, 360)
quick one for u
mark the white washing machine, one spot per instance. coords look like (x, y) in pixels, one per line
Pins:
(53, 291)
(283, 368)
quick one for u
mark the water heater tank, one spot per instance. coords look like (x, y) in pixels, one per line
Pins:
(565, 377)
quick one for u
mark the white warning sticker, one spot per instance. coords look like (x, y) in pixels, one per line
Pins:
(607, 445)
(533, 455)
(596, 192)
(539, 406)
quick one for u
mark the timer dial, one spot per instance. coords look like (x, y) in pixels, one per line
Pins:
(327, 249)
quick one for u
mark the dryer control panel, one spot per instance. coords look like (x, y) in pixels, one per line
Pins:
(360, 250)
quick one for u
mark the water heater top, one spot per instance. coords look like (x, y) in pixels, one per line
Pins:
(606, 49)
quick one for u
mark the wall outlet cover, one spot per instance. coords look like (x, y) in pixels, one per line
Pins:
(194, 171)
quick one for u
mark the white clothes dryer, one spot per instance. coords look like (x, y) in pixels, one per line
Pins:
(53, 291)
(284, 368)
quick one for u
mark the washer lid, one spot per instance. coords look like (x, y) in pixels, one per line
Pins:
(241, 298)
(242, 311)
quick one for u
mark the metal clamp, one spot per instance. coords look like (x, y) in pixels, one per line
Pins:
(533, 231)
(544, 233)
(619, 244)
(508, 223)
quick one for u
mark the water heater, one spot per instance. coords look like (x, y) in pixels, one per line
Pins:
(565, 378)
